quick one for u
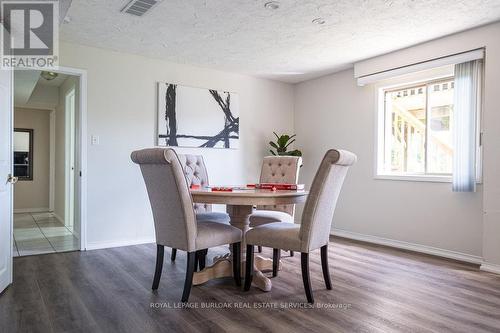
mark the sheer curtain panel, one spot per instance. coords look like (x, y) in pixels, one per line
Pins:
(466, 106)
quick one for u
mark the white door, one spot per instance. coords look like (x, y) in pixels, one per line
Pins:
(6, 178)
(77, 222)
(70, 159)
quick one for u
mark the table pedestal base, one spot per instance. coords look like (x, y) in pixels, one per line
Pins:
(222, 267)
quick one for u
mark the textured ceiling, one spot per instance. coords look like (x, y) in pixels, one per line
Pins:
(242, 36)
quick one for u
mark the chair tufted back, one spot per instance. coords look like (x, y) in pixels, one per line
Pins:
(196, 174)
(280, 169)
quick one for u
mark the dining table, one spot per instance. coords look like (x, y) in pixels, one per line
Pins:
(240, 204)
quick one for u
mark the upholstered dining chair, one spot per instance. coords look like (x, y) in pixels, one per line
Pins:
(314, 230)
(277, 169)
(197, 174)
(174, 215)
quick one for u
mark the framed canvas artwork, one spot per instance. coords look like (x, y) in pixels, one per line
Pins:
(197, 117)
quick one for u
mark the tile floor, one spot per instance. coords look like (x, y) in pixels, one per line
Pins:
(38, 233)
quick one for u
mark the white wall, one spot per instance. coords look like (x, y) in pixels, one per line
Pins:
(342, 115)
(122, 112)
(34, 194)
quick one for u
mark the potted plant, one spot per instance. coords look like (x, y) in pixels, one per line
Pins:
(281, 145)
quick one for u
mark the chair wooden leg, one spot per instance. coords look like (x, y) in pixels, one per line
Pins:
(201, 259)
(291, 253)
(324, 265)
(259, 248)
(204, 261)
(276, 261)
(174, 253)
(237, 263)
(304, 258)
(196, 260)
(191, 263)
(159, 266)
(249, 268)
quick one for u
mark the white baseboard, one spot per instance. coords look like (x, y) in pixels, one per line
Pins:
(106, 245)
(31, 210)
(491, 268)
(409, 246)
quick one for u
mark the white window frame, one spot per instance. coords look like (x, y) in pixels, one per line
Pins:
(420, 78)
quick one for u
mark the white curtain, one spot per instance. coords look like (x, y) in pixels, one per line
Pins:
(466, 105)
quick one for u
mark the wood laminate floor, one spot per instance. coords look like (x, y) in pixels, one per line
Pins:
(375, 289)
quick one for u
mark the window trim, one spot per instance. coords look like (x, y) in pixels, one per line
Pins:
(379, 133)
(416, 178)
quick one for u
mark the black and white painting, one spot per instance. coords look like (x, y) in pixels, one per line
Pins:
(195, 117)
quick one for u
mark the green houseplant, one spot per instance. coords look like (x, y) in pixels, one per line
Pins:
(281, 145)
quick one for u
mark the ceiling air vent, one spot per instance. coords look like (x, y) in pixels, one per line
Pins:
(139, 7)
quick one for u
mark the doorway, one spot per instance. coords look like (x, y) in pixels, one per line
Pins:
(47, 139)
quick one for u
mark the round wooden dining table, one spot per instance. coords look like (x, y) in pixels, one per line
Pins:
(240, 205)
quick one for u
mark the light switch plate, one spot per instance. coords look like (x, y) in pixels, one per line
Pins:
(94, 140)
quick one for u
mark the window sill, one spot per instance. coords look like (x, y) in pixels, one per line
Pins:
(416, 178)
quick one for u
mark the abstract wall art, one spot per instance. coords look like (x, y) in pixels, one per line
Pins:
(196, 117)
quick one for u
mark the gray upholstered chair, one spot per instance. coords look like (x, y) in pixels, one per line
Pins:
(196, 174)
(174, 215)
(277, 169)
(314, 230)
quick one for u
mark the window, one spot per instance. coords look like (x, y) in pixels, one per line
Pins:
(415, 131)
